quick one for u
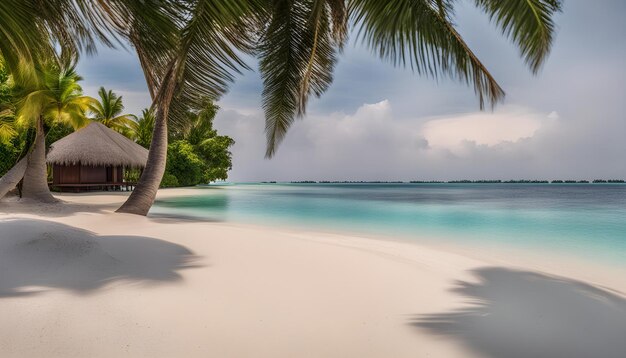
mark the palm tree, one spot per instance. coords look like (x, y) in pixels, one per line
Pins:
(108, 111)
(31, 30)
(56, 97)
(298, 42)
(200, 63)
(142, 131)
(188, 50)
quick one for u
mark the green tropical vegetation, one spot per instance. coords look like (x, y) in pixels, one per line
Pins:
(9, 146)
(197, 154)
(108, 111)
(191, 50)
(144, 128)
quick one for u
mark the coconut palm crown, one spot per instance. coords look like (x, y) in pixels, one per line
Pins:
(108, 111)
(55, 95)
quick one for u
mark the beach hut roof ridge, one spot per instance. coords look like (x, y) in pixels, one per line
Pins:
(97, 145)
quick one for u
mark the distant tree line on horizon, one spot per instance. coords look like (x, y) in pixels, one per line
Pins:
(522, 181)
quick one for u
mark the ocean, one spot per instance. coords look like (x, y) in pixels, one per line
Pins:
(579, 219)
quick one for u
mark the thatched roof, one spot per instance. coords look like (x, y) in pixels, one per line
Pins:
(97, 145)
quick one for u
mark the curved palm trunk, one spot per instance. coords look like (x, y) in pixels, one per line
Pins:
(142, 198)
(35, 184)
(11, 178)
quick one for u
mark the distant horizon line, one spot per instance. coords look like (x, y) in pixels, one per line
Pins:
(463, 181)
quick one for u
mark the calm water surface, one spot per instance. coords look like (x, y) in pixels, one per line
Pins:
(582, 219)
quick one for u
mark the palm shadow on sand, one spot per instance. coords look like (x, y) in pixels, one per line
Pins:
(39, 255)
(519, 314)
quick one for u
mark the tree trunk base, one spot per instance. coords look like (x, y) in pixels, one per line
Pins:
(132, 209)
(10, 180)
(35, 184)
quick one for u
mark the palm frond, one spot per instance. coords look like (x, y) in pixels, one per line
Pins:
(152, 27)
(142, 130)
(297, 56)
(208, 55)
(419, 33)
(339, 14)
(20, 38)
(55, 95)
(528, 23)
(8, 128)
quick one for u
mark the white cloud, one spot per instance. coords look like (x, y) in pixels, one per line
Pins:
(371, 144)
(508, 124)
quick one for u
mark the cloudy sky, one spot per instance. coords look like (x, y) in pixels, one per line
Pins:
(378, 122)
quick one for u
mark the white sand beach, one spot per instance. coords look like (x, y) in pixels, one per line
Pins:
(77, 280)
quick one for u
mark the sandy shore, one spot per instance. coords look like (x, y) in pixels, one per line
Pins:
(77, 280)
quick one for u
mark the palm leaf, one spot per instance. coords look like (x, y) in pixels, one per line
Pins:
(208, 54)
(20, 39)
(54, 95)
(7, 125)
(419, 33)
(297, 54)
(339, 13)
(528, 23)
(108, 111)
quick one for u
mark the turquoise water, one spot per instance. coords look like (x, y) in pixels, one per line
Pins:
(581, 219)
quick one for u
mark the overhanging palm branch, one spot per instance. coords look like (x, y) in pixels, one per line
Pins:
(20, 40)
(207, 57)
(30, 29)
(298, 52)
(419, 34)
(528, 23)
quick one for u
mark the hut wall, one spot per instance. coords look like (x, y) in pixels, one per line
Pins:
(66, 174)
(120, 175)
(114, 174)
(93, 175)
(110, 178)
(77, 174)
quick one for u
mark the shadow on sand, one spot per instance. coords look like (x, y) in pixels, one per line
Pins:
(61, 208)
(519, 314)
(36, 255)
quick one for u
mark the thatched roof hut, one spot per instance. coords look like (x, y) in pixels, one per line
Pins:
(97, 145)
(94, 156)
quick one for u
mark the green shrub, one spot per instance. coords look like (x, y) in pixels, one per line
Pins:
(216, 156)
(184, 164)
(169, 181)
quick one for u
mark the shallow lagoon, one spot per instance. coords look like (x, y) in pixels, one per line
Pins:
(581, 219)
